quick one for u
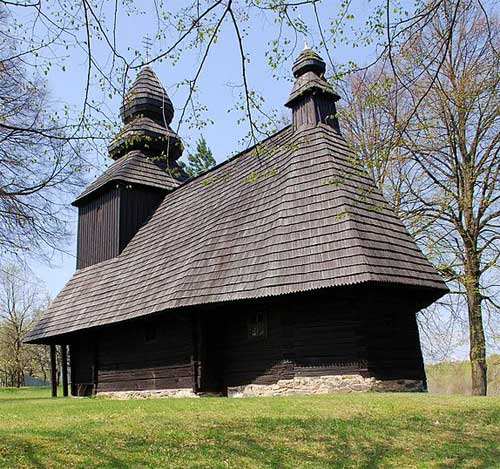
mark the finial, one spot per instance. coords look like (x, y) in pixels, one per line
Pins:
(147, 43)
(306, 45)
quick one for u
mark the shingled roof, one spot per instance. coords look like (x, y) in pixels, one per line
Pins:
(290, 215)
(293, 214)
(138, 168)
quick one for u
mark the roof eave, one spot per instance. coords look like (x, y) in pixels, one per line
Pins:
(428, 295)
(310, 91)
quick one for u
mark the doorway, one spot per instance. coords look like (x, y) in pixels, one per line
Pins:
(211, 333)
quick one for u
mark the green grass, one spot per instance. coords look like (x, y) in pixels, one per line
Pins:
(338, 430)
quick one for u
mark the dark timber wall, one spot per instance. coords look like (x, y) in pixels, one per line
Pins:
(308, 335)
(370, 331)
(260, 360)
(313, 109)
(108, 220)
(145, 355)
(391, 336)
(98, 222)
(137, 204)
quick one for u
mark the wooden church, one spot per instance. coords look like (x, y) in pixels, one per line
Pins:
(281, 270)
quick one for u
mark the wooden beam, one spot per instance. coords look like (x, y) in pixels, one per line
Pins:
(64, 369)
(53, 373)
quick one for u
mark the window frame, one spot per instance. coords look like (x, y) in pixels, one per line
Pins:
(150, 338)
(253, 322)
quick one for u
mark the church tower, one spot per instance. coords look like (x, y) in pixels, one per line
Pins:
(113, 207)
(312, 99)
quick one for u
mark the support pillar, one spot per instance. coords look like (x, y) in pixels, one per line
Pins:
(64, 369)
(53, 373)
(72, 370)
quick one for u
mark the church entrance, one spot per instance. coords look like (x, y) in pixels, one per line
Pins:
(211, 346)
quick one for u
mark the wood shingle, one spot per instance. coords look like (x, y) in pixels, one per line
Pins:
(292, 214)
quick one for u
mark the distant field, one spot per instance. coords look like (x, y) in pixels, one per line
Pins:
(337, 430)
(454, 377)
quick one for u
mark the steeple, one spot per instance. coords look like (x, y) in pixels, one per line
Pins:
(117, 203)
(147, 113)
(312, 99)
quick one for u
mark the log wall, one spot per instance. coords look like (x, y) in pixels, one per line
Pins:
(327, 333)
(108, 221)
(98, 235)
(124, 358)
(128, 361)
(137, 204)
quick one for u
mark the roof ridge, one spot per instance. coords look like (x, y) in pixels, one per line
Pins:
(231, 158)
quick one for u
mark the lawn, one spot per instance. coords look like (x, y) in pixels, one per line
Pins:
(338, 430)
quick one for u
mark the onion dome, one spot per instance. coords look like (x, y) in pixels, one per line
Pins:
(147, 113)
(312, 99)
(148, 98)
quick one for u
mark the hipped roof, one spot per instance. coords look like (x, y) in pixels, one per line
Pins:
(291, 215)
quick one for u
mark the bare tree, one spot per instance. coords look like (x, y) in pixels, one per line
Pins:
(52, 30)
(443, 155)
(39, 161)
(20, 301)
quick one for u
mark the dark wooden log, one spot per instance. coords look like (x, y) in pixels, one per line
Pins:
(64, 369)
(108, 220)
(53, 372)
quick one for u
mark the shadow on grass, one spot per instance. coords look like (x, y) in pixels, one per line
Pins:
(263, 442)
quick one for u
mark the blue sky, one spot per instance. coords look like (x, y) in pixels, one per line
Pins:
(216, 87)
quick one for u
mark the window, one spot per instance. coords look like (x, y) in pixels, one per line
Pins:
(257, 325)
(150, 334)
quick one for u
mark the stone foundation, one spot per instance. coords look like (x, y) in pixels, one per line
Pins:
(181, 392)
(325, 385)
(287, 387)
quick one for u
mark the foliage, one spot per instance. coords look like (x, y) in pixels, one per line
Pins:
(343, 430)
(39, 162)
(54, 29)
(199, 162)
(455, 377)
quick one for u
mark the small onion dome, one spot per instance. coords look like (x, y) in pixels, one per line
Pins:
(308, 61)
(147, 113)
(309, 69)
(147, 97)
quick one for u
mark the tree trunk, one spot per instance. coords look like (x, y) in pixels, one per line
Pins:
(476, 331)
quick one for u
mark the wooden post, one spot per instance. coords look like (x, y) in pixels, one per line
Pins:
(53, 373)
(72, 370)
(64, 370)
(200, 352)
